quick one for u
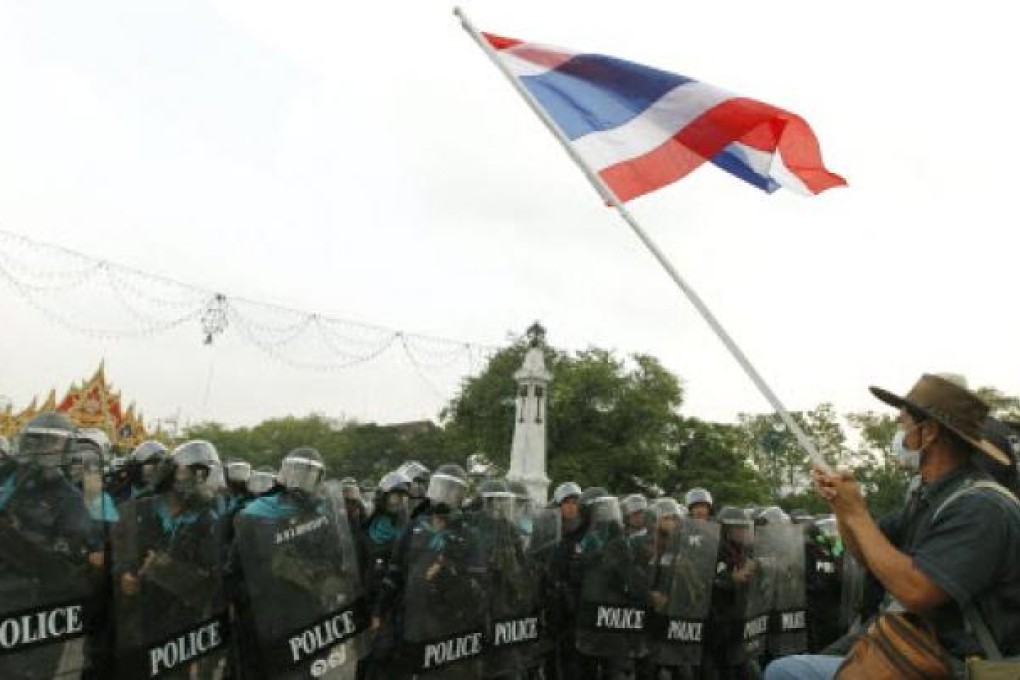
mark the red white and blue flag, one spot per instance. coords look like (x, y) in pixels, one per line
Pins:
(641, 128)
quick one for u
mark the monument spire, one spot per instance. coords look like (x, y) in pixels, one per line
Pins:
(527, 454)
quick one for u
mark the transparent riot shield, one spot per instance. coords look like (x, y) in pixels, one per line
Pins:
(684, 566)
(544, 536)
(169, 602)
(47, 584)
(788, 626)
(301, 613)
(612, 612)
(852, 591)
(513, 581)
(759, 591)
(444, 605)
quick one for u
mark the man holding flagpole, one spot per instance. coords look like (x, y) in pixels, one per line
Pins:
(956, 567)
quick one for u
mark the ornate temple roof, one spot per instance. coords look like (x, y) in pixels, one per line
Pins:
(90, 403)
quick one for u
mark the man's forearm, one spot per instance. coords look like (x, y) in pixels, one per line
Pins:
(850, 542)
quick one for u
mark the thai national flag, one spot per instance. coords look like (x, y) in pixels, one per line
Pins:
(641, 128)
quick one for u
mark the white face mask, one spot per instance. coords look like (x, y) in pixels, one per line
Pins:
(909, 459)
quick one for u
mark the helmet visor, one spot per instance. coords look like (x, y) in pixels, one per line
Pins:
(606, 510)
(45, 447)
(260, 482)
(238, 472)
(500, 504)
(446, 491)
(301, 474)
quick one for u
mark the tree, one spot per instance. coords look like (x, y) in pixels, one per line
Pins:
(609, 419)
(879, 473)
(713, 456)
(778, 455)
(1003, 406)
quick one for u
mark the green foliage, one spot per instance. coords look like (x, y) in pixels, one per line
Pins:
(1003, 406)
(776, 453)
(610, 420)
(362, 451)
(712, 455)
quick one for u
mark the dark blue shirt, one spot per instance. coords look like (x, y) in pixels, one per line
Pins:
(970, 547)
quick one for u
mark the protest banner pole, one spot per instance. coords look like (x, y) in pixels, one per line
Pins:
(610, 197)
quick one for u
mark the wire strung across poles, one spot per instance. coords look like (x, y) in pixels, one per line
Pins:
(74, 289)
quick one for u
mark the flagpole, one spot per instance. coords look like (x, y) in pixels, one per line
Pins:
(609, 196)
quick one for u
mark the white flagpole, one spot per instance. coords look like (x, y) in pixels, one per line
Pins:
(610, 197)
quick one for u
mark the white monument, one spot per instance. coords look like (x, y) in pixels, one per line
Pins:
(527, 455)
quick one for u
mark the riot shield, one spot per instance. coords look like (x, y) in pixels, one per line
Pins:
(852, 591)
(301, 613)
(611, 616)
(759, 592)
(544, 536)
(443, 611)
(513, 580)
(169, 602)
(788, 626)
(684, 567)
(46, 582)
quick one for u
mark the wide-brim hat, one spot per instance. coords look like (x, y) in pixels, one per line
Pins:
(951, 405)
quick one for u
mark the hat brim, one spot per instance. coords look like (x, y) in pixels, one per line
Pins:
(981, 445)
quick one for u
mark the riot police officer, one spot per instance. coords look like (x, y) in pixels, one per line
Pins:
(734, 571)
(419, 476)
(168, 561)
(434, 586)
(699, 503)
(140, 470)
(45, 539)
(386, 523)
(564, 576)
(237, 473)
(295, 560)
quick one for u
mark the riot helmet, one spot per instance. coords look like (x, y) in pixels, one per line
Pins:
(498, 502)
(605, 519)
(419, 476)
(667, 507)
(144, 461)
(828, 527)
(521, 496)
(391, 494)
(350, 490)
(699, 502)
(633, 503)
(736, 525)
(302, 470)
(447, 488)
(237, 472)
(564, 491)
(95, 438)
(46, 439)
(773, 515)
(193, 463)
(394, 481)
(801, 516)
(261, 481)
(667, 513)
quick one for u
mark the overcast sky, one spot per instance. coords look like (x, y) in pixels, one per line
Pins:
(365, 160)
